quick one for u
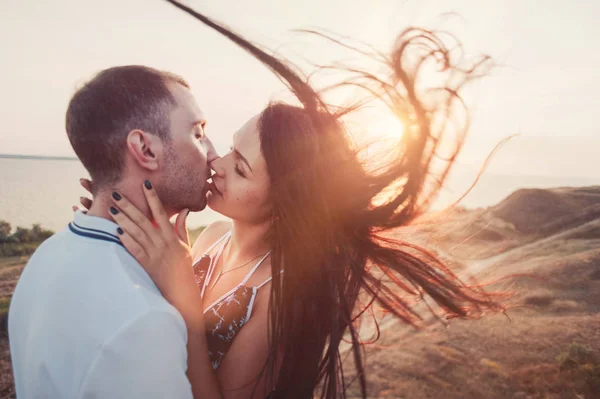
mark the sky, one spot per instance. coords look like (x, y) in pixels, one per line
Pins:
(545, 87)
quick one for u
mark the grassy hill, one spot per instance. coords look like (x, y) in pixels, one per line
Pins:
(548, 347)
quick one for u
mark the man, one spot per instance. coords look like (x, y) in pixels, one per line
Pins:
(86, 321)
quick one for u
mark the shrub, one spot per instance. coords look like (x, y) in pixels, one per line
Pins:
(18, 249)
(23, 235)
(23, 241)
(5, 230)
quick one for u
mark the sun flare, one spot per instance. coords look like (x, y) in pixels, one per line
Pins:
(387, 128)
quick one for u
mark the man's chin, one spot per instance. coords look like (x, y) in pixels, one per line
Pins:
(197, 207)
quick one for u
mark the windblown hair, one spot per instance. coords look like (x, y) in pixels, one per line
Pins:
(329, 235)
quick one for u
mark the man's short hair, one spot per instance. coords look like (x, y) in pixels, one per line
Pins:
(116, 101)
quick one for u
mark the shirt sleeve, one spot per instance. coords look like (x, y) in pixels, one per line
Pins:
(147, 358)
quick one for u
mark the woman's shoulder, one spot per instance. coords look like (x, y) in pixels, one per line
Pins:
(209, 236)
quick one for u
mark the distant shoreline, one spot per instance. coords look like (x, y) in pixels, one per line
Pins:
(40, 157)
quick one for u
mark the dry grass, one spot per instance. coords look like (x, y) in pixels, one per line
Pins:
(489, 358)
(497, 357)
(10, 270)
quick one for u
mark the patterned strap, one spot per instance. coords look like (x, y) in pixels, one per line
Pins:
(223, 237)
(254, 268)
(214, 260)
(266, 281)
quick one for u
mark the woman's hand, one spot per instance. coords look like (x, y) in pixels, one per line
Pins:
(165, 254)
(86, 202)
(163, 251)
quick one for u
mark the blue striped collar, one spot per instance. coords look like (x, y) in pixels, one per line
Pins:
(94, 227)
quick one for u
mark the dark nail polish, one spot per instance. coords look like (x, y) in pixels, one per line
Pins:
(120, 231)
(148, 184)
(116, 196)
(114, 210)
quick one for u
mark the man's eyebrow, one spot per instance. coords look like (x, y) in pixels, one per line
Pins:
(239, 154)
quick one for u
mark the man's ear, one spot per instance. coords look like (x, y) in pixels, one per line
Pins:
(145, 149)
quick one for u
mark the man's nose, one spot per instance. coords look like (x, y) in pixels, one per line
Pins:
(212, 156)
(211, 152)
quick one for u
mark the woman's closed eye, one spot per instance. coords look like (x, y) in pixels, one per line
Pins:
(239, 171)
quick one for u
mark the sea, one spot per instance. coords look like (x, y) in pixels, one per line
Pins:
(43, 190)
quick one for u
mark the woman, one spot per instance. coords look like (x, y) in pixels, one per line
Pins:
(273, 293)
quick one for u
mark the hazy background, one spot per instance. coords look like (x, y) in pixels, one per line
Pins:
(545, 88)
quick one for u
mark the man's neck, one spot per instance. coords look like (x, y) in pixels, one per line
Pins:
(103, 201)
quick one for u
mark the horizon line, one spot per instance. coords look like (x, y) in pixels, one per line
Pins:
(34, 156)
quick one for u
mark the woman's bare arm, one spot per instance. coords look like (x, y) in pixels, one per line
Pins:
(242, 373)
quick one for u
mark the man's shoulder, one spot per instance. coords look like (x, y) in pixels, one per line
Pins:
(57, 239)
(68, 246)
(102, 279)
(67, 253)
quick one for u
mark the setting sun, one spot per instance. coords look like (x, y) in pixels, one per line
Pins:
(387, 127)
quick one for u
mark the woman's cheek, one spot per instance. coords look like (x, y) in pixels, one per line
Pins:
(236, 192)
(243, 196)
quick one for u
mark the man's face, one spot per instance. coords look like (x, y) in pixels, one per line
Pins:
(186, 157)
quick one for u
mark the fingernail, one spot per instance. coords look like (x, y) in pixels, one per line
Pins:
(116, 196)
(120, 231)
(148, 184)
(114, 210)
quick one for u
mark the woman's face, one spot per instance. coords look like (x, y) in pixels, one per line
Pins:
(240, 187)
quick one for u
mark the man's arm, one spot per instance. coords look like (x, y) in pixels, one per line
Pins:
(147, 358)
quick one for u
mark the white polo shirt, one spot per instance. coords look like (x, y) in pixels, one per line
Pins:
(86, 321)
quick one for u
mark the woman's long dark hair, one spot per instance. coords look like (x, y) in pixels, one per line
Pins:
(328, 233)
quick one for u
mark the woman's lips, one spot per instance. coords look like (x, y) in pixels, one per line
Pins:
(213, 187)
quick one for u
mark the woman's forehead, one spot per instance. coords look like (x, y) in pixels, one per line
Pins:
(247, 140)
(248, 129)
